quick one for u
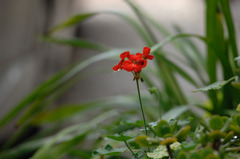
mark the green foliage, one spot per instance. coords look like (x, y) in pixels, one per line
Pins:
(214, 137)
(214, 86)
(109, 150)
(119, 137)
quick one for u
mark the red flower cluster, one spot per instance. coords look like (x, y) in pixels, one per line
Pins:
(135, 63)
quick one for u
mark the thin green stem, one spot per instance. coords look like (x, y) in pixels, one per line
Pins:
(159, 104)
(131, 150)
(140, 100)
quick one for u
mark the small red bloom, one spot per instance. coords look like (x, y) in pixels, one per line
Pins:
(135, 63)
(146, 52)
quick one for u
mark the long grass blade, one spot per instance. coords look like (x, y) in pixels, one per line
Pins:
(78, 129)
(230, 26)
(71, 22)
(75, 42)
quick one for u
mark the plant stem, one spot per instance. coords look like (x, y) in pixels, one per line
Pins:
(159, 104)
(140, 100)
(131, 150)
(169, 152)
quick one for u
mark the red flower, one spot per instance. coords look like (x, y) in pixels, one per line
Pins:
(135, 63)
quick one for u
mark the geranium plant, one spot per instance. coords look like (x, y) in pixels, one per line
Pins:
(173, 125)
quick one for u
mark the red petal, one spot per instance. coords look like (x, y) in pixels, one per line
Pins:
(150, 57)
(124, 55)
(144, 64)
(118, 66)
(115, 68)
(128, 66)
(146, 51)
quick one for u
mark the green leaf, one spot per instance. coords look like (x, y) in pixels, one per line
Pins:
(211, 25)
(188, 145)
(71, 21)
(75, 42)
(133, 23)
(216, 122)
(120, 137)
(182, 133)
(189, 49)
(57, 114)
(65, 112)
(79, 18)
(146, 141)
(179, 70)
(214, 86)
(195, 155)
(175, 112)
(230, 26)
(80, 153)
(77, 130)
(236, 119)
(121, 128)
(238, 108)
(109, 150)
(51, 85)
(141, 18)
(173, 37)
(59, 150)
(162, 128)
(182, 155)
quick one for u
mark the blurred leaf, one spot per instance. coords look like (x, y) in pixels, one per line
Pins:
(79, 18)
(80, 153)
(216, 123)
(64, 147)
(29, 147)
(68, 111)
(134, 24)
(71, 21)
(182, 133)
(195, 155)
(238, 107)
(236, 119)
(182, 155)
(230, 26)
(170, 82)
(179, 70)
(173, 37)
(146, 141)
(190, 49)
(77, 129)
(75, 42)
(236, 85)
(120, 137)
(54, 83)
(162, 128)
(56, 114)
(141, 17)
(211, 26)
(175, 112)
(188, 145)
(214, 86)
(117, 129)
(109, 150)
